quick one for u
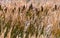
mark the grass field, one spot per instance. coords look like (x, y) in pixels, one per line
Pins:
(22, 20)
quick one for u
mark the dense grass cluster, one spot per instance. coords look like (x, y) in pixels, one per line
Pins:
(23, 22)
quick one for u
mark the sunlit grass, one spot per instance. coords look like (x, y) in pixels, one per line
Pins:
(29, 23)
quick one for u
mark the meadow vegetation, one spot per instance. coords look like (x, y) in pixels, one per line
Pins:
(22, 21)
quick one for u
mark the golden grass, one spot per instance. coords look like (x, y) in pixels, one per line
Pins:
(29, 22)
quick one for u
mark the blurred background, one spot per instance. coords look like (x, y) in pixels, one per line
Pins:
(29, 18)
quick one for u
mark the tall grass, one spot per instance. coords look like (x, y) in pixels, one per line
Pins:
(29, 22)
